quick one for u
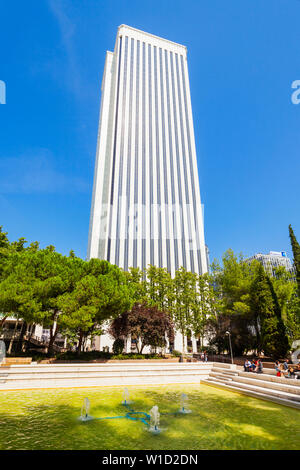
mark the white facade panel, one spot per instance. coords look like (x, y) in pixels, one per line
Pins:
(146, 206)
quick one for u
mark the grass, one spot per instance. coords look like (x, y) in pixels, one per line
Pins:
(47, 419)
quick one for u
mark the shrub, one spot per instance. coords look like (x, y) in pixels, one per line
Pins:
(176, 353)
(118, 346)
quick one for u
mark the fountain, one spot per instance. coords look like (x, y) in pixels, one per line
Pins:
(154, 420)
(151, 420)
(126, 400)
(184, 407)
(85, 409)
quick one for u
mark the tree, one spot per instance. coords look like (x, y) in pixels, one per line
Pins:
(118, 346)
(263, 300)
(54, 275)
(147, 324)
(159, 288)
(16, 289)
(296, 254)
(203, 306)
(136, 283)
(185, 286)
(284, 287)
(231, 286)
(100, 295)
(32, 282)
(292, 321)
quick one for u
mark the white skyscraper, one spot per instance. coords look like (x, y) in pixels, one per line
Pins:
(146, 206)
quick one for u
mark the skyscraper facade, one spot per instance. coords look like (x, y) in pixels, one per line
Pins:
(146, 206)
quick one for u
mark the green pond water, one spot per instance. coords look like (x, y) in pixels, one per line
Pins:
(48, 419)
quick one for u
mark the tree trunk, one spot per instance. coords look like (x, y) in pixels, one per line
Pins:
(2, 321)
(183, 342)
(21, 338)
(13, 337)
(80, 342)
(53, 333)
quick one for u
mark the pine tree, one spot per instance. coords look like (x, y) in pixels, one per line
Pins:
(273, 338)
(296, 254)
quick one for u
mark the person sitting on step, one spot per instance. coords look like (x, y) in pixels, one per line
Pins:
(259, 367)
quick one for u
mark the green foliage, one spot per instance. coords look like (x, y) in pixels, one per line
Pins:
(296, 254)
(252, 307)
(80, 298)
(118, 346)
(147, 324)
(272, 339)
(102, 356)
(99, 295)
(176, 353)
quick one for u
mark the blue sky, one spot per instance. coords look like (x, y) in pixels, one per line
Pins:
(243, 57)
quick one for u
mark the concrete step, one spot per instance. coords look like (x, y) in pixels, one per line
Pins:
(267, 391)
(3, 378)
(25, 377)
(221, 376)
(224, 371)
(92, 374)
(270, 378)
(216, 379)
(262, 396)
(222, 365)
(284, 387)
(54, 374)
(104, 367)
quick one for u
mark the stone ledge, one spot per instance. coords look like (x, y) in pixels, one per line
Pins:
(261, 396)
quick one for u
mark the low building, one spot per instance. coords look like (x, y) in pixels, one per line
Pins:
(272, 261)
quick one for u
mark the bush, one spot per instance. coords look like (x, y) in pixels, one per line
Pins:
(136, 356)
(118, 346)
(176, 353)
(83, 356)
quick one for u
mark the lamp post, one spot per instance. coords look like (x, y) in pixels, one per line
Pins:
(228, 333)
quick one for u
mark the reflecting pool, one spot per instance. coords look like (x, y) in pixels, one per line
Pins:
(48, 419)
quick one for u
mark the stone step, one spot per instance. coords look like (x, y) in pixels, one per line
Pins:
(222, 365)
(85, 375)
(150, 380)
(267, 391)
(262, 396)
(74, 375)
(45, 372)
(288, 388)
(271, 378)
(221, 376)
(105, 367)
(224, 371)
(217, 379)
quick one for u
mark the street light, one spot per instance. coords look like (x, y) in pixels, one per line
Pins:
(228, 333)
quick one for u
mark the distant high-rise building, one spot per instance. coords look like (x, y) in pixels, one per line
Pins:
(146, 206)
(273, 260)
